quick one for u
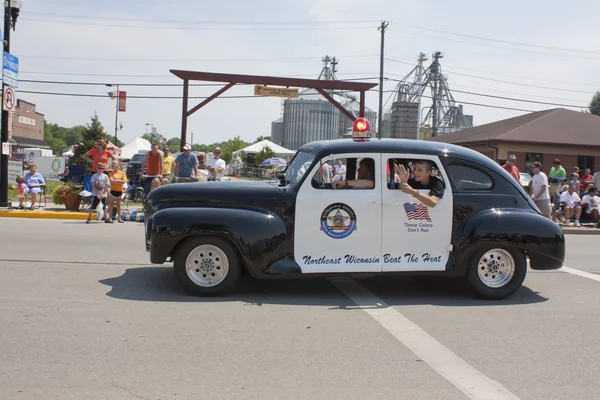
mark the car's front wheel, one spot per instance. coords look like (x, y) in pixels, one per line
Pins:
(207, 266)
(496, 272)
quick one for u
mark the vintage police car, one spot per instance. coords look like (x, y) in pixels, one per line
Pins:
(484, 227)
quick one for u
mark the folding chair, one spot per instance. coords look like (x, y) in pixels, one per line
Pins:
(86, 201)
(42, 198)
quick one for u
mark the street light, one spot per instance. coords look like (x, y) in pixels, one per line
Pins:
(116, 110)
(11, 13)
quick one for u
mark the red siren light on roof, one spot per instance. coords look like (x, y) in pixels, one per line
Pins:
(361, 130)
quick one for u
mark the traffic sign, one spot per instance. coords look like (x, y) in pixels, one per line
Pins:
(10, 70)
(8, 99)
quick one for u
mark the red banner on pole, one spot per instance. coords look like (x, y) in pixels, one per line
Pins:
(122, 101)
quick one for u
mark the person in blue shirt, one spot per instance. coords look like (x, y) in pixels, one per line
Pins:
(186, 166)
(35, 183)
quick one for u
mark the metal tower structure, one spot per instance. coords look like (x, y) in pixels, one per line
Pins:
(444, 114)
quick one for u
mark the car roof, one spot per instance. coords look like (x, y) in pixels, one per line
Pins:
(339, 146)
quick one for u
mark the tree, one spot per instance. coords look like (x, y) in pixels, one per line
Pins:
(93, 131)
(174, 144)
(595, 104)
(264, 154)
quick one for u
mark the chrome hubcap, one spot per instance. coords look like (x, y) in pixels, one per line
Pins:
(496, 268)
(207, 265)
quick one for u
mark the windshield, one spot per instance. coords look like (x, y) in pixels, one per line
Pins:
(298, 166)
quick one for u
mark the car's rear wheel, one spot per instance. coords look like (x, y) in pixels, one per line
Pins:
(207, 266)
(496, 272)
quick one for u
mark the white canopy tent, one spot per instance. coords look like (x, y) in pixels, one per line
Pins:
(257, 147)
(134, 147)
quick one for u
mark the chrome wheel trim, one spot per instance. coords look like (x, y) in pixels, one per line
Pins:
(207, 265)
(496, 268)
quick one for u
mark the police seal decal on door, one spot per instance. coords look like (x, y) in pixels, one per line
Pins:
(338, 220)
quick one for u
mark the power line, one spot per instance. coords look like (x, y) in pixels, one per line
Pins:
(404, 61)
(503, 97)
(170, 60)
(219, 85)
(152, 84)
(238, 97)
(206, 22)
(503, 81)
(495, 47)
(497, 40)
(213, 28)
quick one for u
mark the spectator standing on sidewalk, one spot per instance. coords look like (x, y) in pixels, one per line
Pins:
(117, 179)
(511, 167)
(186, 166)
(556, 177)
(99, 155)
(152, 165)
(216, 166)
(100, 187)
(540, 195)
(167, 164)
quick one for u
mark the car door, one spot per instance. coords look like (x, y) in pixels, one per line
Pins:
(414, 237)
(338, 230)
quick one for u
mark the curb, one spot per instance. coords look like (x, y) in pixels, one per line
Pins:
(580, 231)
(44, 214)
(61, 215)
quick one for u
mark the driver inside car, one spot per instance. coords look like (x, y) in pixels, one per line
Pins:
(422, 179)
(365, 177)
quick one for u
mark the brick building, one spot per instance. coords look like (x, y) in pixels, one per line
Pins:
(572, 137)
(27, 127)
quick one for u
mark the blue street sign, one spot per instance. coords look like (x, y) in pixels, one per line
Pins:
(10, 70)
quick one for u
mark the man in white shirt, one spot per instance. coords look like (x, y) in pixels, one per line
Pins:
(569, 201)
(539, 192)
(216, 166)
(591, 203)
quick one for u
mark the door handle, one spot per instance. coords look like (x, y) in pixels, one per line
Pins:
(376, 203)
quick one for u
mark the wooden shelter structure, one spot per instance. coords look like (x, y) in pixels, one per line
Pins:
(233, 79)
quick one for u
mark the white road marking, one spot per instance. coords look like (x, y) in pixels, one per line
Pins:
(580, 273)
(466, 378)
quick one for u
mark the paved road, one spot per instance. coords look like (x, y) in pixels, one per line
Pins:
(84, 316)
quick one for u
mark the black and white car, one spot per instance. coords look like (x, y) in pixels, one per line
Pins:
(484, 227)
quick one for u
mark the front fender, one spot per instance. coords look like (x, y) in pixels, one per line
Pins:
(541, 239)
(258, 235)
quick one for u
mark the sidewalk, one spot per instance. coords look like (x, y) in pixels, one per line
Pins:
(55, 211)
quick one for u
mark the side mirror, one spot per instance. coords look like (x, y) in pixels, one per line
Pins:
(282, 180)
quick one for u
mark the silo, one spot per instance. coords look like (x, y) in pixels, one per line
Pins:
(308, 118)
(311, 117)
(277, 131)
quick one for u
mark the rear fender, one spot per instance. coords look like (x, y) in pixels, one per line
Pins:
(259, 235)
(538, 237)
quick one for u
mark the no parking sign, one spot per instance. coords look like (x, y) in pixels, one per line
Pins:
(8, 99)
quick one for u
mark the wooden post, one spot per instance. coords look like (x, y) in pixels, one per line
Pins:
(184, 113)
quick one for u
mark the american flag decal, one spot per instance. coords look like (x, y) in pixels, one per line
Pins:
(417, 211)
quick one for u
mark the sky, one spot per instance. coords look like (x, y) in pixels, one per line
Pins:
(514, 49)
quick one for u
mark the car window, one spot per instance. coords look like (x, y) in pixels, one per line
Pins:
(411, 165)
(298, 166)
(332, 169)
(469, 179)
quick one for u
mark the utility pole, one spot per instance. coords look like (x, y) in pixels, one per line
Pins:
(4, 136)
(382, 28)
